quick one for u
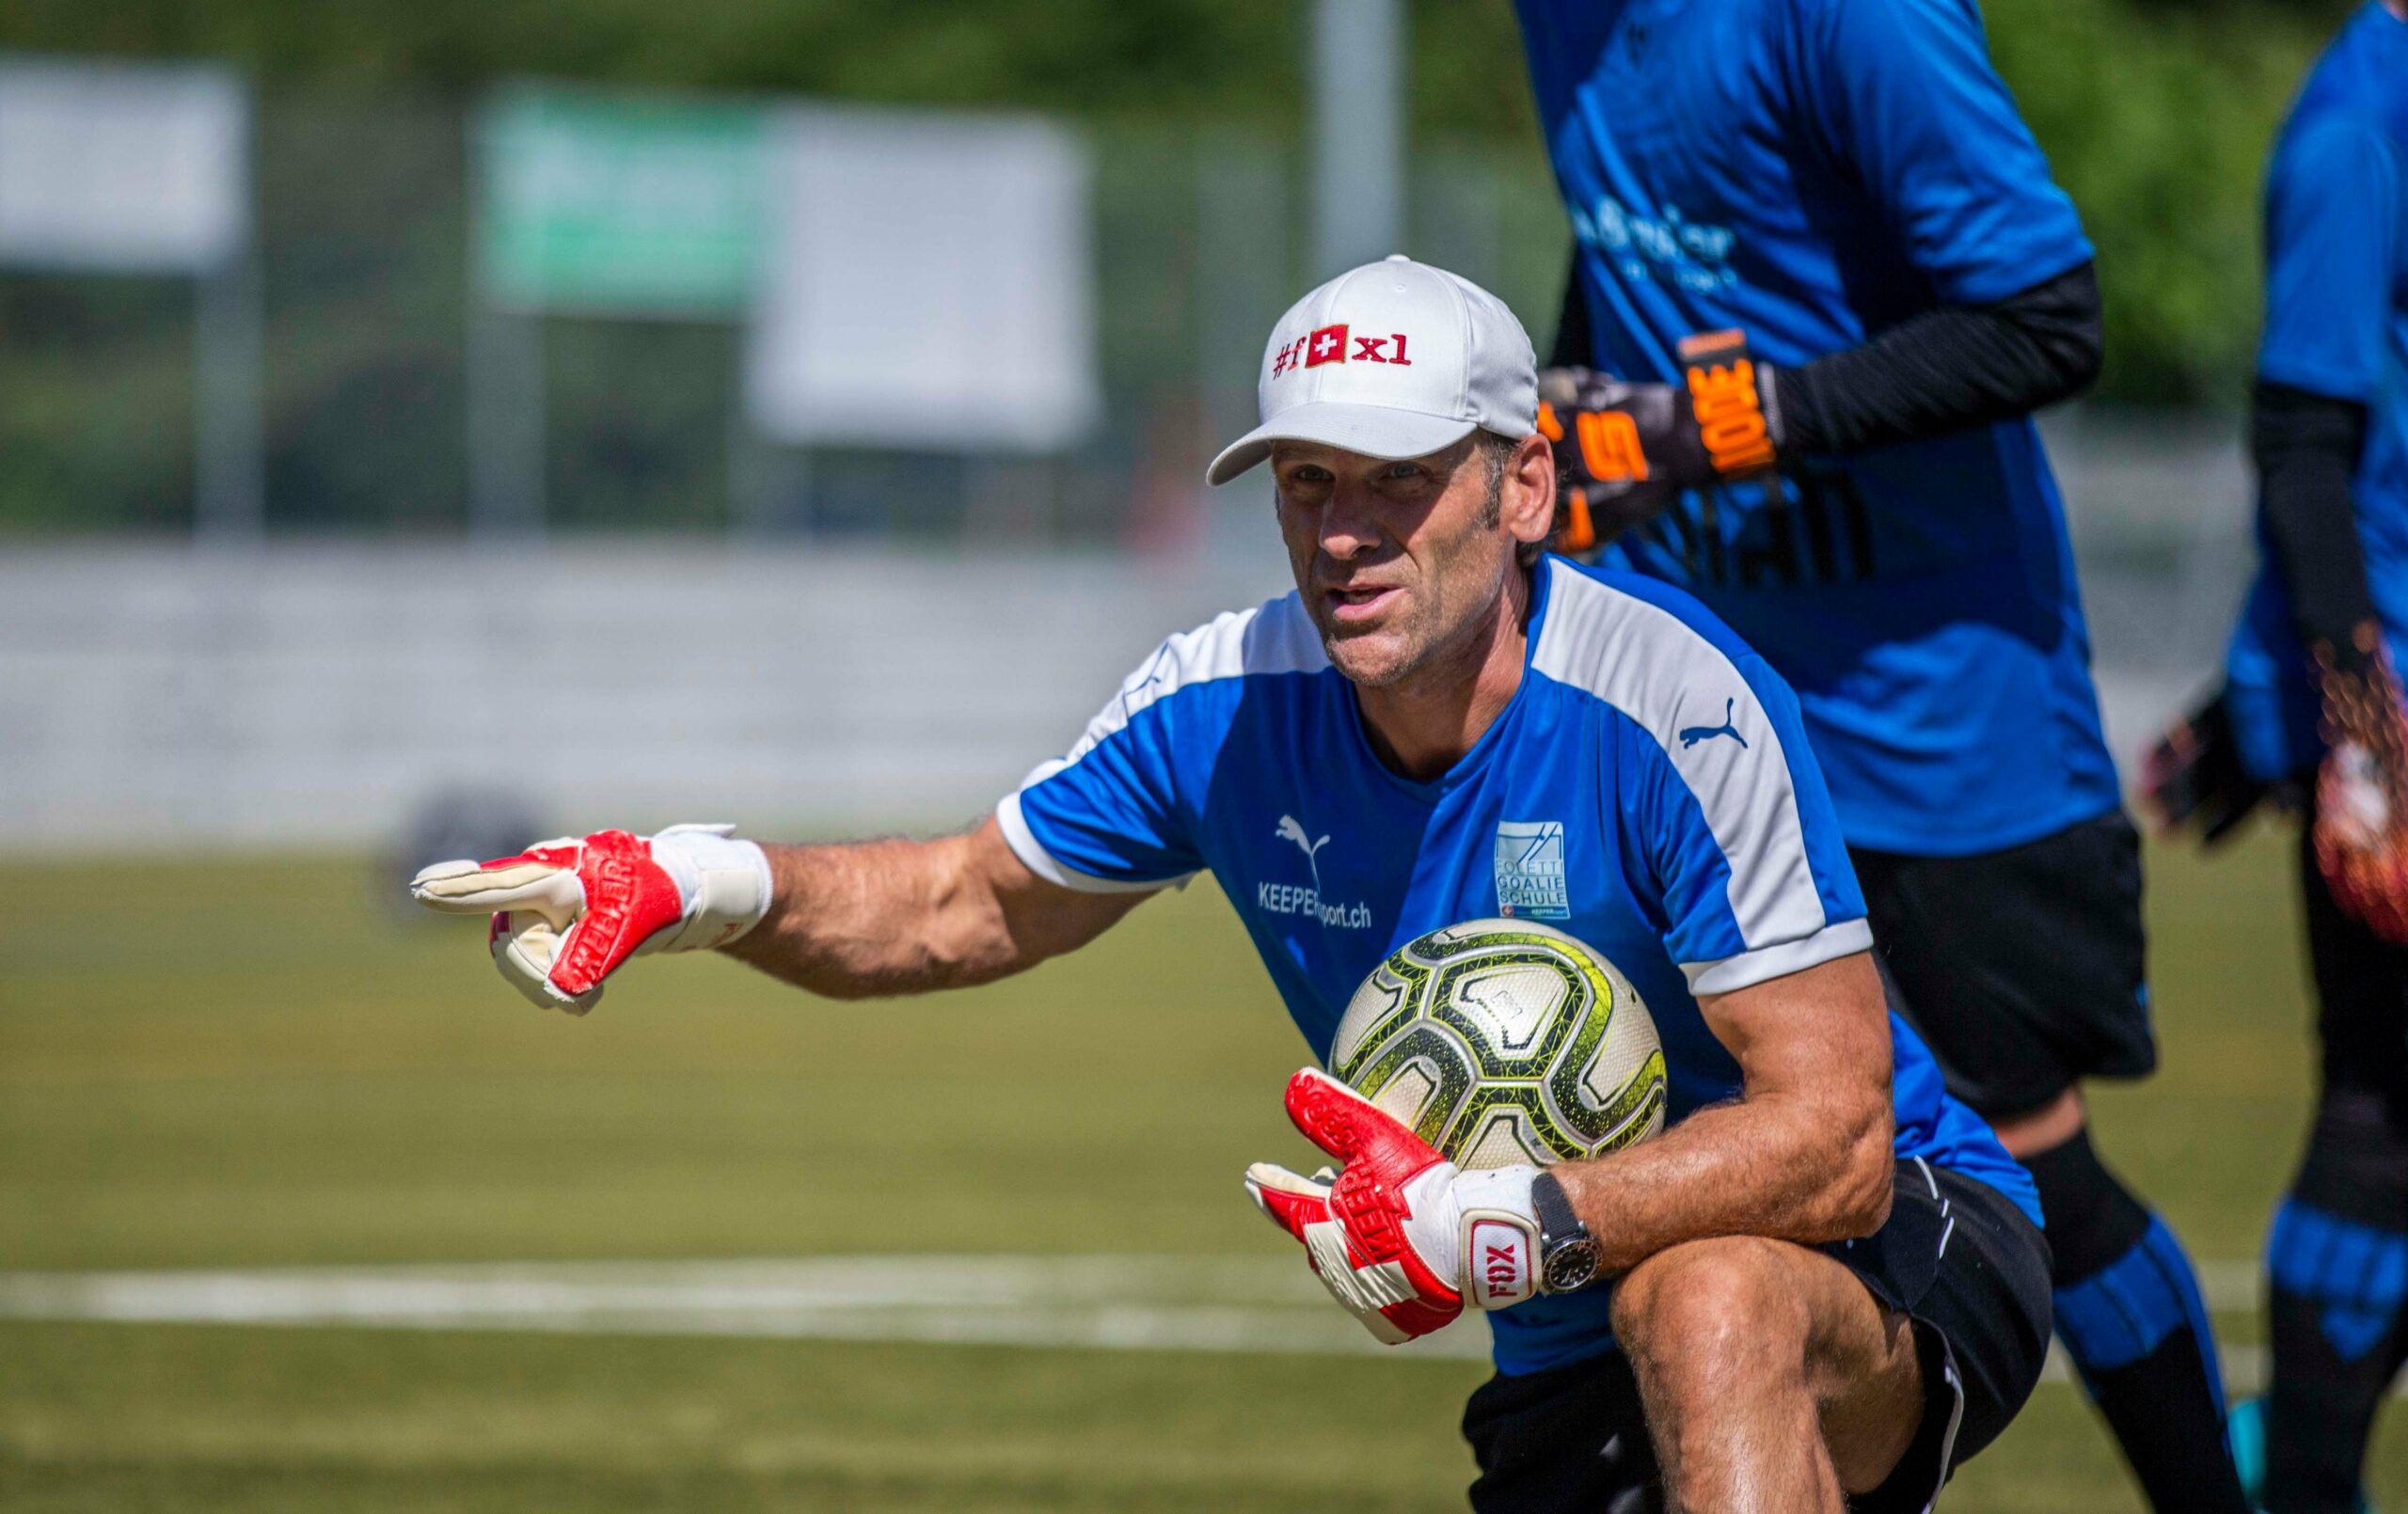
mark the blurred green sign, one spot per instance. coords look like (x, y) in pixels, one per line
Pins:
(621, 206)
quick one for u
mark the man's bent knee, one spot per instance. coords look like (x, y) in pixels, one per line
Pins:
(1710, 1311)
(1739, 1328)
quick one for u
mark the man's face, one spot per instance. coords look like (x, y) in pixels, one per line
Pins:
(1397, 562)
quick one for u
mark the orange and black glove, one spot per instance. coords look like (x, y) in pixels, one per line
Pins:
(1628, 450)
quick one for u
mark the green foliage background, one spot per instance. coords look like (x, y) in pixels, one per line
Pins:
(2156, 115)
(2157, 118)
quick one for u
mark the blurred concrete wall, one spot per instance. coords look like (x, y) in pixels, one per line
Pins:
(162, 697)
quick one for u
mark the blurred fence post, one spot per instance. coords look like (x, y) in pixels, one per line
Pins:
(1358, 133)
(505, 419)
(230, 493)
(1459, 217)
(1244, 263)
(752, 472)
(505, 356)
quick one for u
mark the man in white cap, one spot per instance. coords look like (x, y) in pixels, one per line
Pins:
(1823, 1282)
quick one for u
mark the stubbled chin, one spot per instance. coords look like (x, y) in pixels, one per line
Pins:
(1367, 659)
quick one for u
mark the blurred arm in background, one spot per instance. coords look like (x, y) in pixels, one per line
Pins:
(2321, 363)
(1990, 306)
(2332, 256)
(1938, 372)
(2307, 448)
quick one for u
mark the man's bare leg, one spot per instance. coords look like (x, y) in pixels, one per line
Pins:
(1772, 1379)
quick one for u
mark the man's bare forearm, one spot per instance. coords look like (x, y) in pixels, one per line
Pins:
(868, 918)
(1778, 1168)
(1805, 1154)
(865, 919)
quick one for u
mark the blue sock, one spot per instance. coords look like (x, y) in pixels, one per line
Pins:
(2340, 1288)
(2127, 1310)
(2357, 1275)
(2130, 1314)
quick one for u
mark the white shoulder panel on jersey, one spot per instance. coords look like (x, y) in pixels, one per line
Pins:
(1684, 692)
(1275, 638)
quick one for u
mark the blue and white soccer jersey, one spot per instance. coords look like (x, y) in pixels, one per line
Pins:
(1814, 172)
(2336, 326)
(1648, 789)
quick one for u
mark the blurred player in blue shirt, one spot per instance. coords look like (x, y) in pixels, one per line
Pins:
(2312, 707)
(1821, 279)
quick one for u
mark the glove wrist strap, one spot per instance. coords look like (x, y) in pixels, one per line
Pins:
(1726, 398)
(1499, 1230)
(726, 882)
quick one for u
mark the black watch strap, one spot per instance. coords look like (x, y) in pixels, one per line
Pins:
(1557, 1220)
(1568, 1255)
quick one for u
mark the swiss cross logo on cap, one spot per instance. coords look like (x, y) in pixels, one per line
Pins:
(1327, 344)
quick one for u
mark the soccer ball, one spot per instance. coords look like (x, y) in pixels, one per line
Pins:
(1504, 1041)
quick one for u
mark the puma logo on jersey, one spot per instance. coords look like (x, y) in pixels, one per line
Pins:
(1290, 828)
(1302, 899)
(1691, 735)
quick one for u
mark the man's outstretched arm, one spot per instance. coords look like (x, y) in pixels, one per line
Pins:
(848, 921)
(862, 919)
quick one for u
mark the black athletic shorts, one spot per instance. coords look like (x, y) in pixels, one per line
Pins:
(2024, 968)
(1956, 1255)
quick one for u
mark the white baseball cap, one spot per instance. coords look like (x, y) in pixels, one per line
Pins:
(1392, 359)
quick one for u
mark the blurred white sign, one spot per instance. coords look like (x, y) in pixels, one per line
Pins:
(928, 284)
(122, 168)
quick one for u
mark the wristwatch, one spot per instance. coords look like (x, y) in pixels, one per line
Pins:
(1568, 1255)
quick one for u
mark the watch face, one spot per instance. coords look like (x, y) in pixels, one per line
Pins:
(1571, 1266)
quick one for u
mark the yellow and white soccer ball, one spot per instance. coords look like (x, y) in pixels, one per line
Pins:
(1505, 1041)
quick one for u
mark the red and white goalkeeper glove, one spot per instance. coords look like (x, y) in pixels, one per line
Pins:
(567, 912)
(1401, 1236)
(2361, 832)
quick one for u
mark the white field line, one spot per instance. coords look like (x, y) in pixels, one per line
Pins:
(1247, 1305)
(1243, 1304)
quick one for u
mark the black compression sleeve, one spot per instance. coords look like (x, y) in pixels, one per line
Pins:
(1571, 347)
(2306, 448)
(1946, 370)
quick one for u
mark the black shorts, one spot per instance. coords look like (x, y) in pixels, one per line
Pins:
(1956, 1256)
(2024, 969)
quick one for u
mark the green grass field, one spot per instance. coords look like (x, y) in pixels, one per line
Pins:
(253, 1063)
